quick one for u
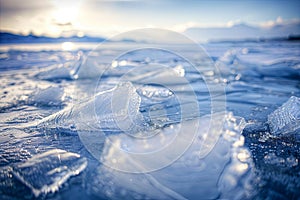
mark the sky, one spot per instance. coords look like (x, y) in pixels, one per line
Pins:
(109, 17)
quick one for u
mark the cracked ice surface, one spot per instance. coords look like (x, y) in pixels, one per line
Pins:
(209, 168)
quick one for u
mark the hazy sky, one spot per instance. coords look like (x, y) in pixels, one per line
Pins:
(106, 17)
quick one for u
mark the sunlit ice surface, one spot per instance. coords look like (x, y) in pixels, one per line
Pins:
(67, 46)
(42, 83)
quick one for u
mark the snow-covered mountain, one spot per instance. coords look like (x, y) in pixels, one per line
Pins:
(243, 31)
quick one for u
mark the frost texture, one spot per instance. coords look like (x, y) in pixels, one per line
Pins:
(286, 119)
(45, 172)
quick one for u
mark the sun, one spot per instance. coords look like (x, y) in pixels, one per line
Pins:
(66, 11)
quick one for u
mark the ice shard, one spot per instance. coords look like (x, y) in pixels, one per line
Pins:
(112, 110)
(286, 118)
(44, 173)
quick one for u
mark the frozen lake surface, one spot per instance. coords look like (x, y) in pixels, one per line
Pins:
(150, 124)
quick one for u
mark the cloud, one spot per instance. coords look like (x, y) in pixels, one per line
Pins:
(267, 24)
(184, 26)
(278, 21)
(233, 22)
(68, 24)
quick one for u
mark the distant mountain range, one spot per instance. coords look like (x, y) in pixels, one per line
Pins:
(238, 32)
(10, 38)
(244, 31)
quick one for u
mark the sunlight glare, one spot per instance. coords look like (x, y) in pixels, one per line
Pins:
(66, 11)
(67, 46)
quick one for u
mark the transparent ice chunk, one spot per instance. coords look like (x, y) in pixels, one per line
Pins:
(61, 71)
(112, 110)
(46, 172)
(286, 118)
(89, 69)
(48, 96)
(56, 72)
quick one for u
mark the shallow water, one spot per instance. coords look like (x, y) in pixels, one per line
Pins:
(53, 100)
